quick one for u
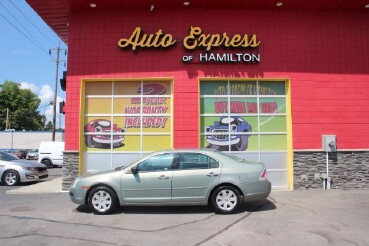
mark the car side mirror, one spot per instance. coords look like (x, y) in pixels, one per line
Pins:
(134, 169)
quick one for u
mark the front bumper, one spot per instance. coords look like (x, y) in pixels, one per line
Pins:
(33, 176)
(77, 195)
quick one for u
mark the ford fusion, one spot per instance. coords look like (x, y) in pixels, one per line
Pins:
(14, 171)
(178, 177)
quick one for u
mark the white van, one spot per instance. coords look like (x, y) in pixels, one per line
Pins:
(51, 153)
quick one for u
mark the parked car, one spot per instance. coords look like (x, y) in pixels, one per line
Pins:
(188, 177)
(32, 154)
(20, 153)
(51, 153)
(229, 131)
(14, 171)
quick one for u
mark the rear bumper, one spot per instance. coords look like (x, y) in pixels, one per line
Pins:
(258, 192)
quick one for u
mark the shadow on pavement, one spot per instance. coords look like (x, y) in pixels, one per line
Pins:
(258, 206)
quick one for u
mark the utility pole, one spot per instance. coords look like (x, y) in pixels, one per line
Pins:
(57, 61)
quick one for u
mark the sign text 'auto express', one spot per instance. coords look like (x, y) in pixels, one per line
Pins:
(196, 39)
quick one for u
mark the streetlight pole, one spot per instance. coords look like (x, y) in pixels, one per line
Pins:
(44, 106)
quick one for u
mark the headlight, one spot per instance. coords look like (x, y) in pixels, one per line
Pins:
(74, 183)
(30, 168)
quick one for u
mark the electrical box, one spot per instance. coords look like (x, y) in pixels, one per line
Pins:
(329, 143)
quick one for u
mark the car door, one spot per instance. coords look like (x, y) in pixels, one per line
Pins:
(150, 182)
(195, 175)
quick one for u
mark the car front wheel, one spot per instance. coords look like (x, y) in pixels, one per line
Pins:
(102, 200)
(11, 178)
(47, 163)
(226, 200)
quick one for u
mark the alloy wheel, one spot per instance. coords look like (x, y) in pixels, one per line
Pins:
(226, 200)
(101, 201)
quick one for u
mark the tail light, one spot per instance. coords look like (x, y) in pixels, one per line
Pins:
(263, 175)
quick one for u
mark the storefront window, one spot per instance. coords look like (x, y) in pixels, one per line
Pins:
(132, 119)
(247, 119)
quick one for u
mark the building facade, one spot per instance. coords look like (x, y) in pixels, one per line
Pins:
(286, 83)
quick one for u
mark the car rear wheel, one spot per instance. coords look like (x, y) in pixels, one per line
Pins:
(11, 178)
(226, 200)
(47, 163)
(102, 200)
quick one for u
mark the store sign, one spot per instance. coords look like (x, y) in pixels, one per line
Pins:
(196, 39)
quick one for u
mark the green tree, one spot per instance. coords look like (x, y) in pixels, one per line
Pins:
(23, 108)
(49, 126)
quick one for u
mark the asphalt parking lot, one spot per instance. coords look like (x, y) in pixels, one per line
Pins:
(313, 217)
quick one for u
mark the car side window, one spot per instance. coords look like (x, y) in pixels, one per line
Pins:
(160, 162)
(196, 161)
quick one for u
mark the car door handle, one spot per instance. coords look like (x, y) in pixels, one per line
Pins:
(163, 177)
(212, 174)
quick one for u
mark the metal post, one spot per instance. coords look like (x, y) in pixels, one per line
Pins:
(11, 146)
(328, 184)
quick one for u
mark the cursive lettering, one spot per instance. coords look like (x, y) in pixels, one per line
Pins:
(208, 41)
(139, 39)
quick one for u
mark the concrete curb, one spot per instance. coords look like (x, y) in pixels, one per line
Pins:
(46, 187)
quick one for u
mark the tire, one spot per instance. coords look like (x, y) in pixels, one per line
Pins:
(47, 163)
(243, 144)
(11, 178)
(226, 200)
(102, 200)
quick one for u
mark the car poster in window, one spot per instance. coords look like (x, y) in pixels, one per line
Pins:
(128, 118)
(243, 115)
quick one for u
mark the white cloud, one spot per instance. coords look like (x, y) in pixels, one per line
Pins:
(31, 86)
(46, 94)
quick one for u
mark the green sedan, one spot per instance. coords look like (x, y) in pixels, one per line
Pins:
(177, 177)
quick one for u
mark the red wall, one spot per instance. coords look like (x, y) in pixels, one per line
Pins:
(325, 56)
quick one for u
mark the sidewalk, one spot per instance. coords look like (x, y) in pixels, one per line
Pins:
(45, 187)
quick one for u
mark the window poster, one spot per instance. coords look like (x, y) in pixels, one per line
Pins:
(243, 115)
(131, 116)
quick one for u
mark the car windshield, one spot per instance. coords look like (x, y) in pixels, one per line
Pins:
(7, 157)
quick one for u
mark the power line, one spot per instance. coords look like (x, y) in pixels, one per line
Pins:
(20, 24)
(43, 50)
(31, 23)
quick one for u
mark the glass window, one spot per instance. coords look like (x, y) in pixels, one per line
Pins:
(98, 88)
(196, 161)
(162, 162)
(234, 114)
(133, 116)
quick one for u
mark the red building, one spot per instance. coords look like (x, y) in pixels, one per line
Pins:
(283, 82)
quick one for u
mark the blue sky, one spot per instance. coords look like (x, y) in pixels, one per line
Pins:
(25, 40)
